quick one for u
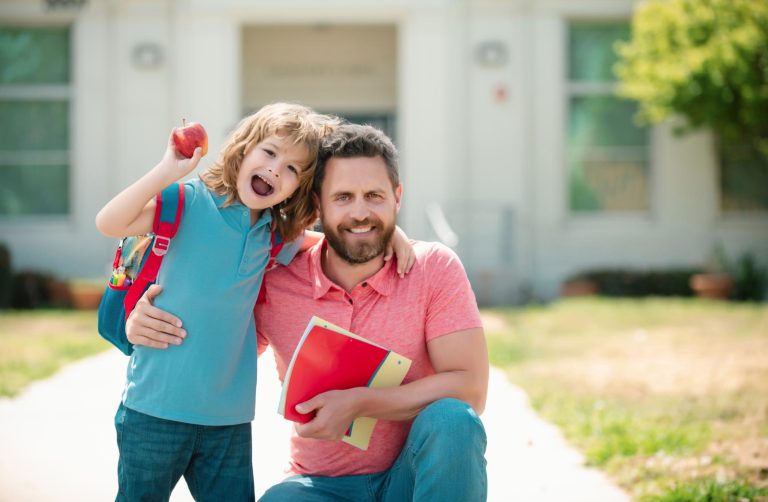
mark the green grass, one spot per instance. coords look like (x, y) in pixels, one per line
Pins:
(662, 394)
(36, 344)
(711, 491)
(610, 429)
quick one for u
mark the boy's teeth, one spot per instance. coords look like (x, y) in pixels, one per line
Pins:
(360, 230)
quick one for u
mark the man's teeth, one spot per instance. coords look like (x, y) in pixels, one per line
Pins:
(360, 230)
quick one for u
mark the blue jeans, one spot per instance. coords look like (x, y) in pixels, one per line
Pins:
(442, 459)
(155, 453)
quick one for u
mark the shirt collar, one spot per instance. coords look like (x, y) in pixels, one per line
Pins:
(243, 213)
(382, 281)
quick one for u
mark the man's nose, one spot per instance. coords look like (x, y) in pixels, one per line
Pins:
(359, 209)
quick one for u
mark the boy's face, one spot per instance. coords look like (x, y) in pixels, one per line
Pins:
(358, 207)
(269, 173)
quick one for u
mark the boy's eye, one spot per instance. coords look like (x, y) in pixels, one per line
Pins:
(269, 152)
(293, 170)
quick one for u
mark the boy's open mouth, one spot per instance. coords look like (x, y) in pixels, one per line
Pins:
(261, 186)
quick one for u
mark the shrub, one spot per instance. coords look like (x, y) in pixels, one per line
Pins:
(5, 276)
(751, 279)
(30, 290)
(638, 283)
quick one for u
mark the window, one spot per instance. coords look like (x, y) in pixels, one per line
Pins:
(34, 118)
(608, 160)
(743, 179)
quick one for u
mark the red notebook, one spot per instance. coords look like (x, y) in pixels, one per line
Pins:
(331, 358)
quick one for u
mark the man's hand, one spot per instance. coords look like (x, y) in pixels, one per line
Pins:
(334, 412)
(151, 327)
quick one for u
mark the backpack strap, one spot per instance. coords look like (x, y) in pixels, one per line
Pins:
(276, 245)
(168, 209)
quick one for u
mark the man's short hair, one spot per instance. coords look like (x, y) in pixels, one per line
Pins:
(353, 140)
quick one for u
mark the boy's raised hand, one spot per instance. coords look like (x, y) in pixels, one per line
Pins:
(132, 211)
(174, 164)
(401, 247)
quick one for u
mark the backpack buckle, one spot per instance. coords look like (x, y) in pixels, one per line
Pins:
(160, 247)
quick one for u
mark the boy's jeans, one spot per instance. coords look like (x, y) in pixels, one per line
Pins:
(155, 453)
(443, 459)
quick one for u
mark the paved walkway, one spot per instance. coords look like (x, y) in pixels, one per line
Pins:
(57, 442)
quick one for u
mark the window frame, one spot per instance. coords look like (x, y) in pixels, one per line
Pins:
(574, 89)
(44, 92)
(731, 214)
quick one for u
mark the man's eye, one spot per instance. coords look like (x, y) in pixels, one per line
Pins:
(342, 198)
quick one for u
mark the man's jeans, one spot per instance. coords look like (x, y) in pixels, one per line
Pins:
(443, 459)
(155, 453)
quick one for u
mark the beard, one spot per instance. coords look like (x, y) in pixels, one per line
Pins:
(360, 251)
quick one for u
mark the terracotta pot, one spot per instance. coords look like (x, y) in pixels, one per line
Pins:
(580, 287)
(716, 286)
(61, 295)
(86, 298)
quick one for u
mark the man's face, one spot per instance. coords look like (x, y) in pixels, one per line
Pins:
(358, 207)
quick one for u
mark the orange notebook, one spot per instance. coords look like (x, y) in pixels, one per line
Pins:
(331, 358)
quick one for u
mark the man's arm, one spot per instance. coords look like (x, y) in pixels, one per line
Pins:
(460, 361)
(152, 327)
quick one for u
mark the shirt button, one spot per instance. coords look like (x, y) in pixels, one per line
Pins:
(365, 284)
(350, 301)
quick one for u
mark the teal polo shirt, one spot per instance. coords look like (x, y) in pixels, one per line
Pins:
(211, 277)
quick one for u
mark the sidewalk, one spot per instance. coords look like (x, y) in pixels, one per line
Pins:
(57, 442)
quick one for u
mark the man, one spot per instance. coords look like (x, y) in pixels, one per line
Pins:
(428, 443)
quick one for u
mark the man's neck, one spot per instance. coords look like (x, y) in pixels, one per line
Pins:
(345, 274)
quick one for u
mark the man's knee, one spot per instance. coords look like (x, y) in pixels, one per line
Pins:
(289, 489)
(452, 419)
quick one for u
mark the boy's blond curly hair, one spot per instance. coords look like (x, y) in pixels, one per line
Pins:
(299, 124)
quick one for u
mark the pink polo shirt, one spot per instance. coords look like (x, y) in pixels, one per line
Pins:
(434, 299)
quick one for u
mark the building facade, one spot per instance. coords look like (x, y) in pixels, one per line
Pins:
(514, 147)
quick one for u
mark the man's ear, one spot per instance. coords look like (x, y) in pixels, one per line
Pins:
(398, 196)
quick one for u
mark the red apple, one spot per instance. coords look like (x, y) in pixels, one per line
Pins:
(189, 137)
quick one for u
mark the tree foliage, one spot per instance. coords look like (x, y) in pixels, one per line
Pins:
(705, 60)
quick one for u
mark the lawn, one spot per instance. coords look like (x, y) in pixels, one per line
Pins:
(36, 344)
(668, 396)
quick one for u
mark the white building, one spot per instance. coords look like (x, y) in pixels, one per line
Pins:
(502, 110)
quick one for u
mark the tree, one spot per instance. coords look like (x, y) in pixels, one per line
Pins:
(704, 60)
